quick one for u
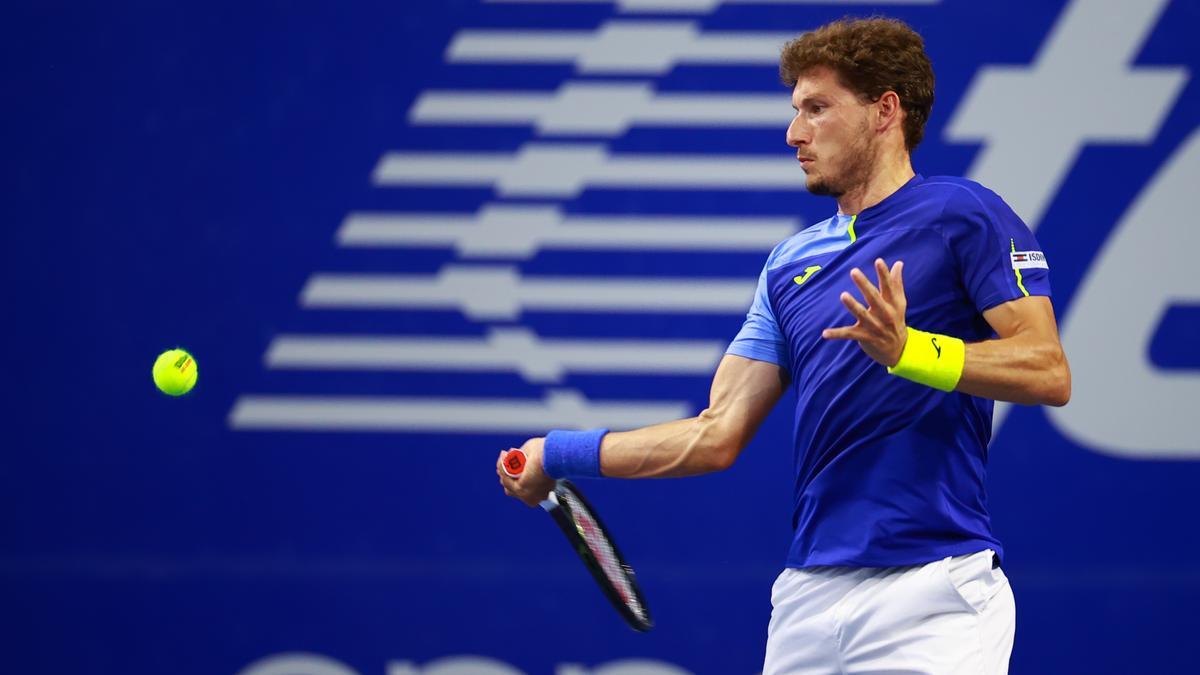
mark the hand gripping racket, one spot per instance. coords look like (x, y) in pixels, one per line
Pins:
(591, 540)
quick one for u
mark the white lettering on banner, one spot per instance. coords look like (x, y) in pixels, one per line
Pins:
(1122, 404)
(303, 663)
(297, 663)
(454, 665)
(1021, 112)
(626, 667)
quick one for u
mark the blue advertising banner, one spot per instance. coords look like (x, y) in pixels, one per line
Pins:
(401, 237)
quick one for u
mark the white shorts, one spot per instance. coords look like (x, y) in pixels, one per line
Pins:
(952, 616)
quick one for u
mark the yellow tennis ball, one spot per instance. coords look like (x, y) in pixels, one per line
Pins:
(175, 372)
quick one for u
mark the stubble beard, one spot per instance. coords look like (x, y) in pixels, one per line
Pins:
(852, 172)
(822, 188)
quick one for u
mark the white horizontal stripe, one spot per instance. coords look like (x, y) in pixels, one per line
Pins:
(501, 293)
(520, 231)
(563, 409)
(644, 47)
(563, 171)
(540, 360)
(600, 108)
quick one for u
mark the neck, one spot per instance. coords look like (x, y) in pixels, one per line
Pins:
(886, 177)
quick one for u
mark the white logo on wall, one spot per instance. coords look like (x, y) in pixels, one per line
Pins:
(1124, 405)
(509, 233)
(1088, 54)
(1121, 404)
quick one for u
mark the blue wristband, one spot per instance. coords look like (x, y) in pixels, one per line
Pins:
(572, 454)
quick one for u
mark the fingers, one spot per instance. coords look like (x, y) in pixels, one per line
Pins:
(842, 333)
(882, 275)
(506, 481)
(513, 487)
(883, 303)
(879, 325)
(856, 309)
(870, 293)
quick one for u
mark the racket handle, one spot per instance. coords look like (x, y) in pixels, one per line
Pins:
(514, 463)
(514, 466)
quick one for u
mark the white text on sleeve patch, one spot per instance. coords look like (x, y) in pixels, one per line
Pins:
(1023, 260)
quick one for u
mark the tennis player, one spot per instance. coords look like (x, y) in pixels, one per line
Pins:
(897, 322)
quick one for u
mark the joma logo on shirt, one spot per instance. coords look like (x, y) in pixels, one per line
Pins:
(808, 272)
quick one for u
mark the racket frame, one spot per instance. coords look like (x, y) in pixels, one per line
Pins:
(560, 512)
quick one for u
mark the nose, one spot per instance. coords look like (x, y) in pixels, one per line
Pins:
(798, 132)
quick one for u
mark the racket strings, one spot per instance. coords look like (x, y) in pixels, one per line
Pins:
(603, 551)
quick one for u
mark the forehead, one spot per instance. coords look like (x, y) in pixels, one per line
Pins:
(819, 81)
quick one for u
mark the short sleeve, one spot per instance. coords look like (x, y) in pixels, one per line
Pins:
(761, 338)
(998, 256)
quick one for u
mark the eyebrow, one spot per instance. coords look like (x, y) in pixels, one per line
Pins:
(810, 99)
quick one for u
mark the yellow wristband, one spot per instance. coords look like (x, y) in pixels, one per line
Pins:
(931, 359)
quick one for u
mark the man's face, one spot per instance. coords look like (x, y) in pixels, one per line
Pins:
(831, 134)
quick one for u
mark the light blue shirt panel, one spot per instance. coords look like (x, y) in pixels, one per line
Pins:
(761, 338)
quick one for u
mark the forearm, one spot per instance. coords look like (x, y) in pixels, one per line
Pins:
(743, 392)
(685, 447)
(1025, 364)
(1025, 369)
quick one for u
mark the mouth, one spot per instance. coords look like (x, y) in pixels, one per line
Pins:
(805, 161)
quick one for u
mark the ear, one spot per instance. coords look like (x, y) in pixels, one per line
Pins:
(888, 110)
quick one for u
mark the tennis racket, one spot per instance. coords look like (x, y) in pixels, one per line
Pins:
(595, 547)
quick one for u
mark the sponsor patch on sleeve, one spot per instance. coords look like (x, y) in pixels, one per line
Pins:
(1023, 260)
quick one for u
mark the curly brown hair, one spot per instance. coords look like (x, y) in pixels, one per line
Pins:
(871, 57)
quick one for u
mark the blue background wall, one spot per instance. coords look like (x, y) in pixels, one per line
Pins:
(178, 175)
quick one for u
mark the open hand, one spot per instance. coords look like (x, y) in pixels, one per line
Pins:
(879, 330)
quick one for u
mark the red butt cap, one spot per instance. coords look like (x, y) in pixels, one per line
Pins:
(514, 463)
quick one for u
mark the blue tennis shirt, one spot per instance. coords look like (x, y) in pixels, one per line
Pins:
(890, 472)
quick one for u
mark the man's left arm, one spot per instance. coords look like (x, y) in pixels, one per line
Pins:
(1025, 364)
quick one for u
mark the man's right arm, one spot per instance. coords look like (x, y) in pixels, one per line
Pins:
(743, 392)
(749, 381)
